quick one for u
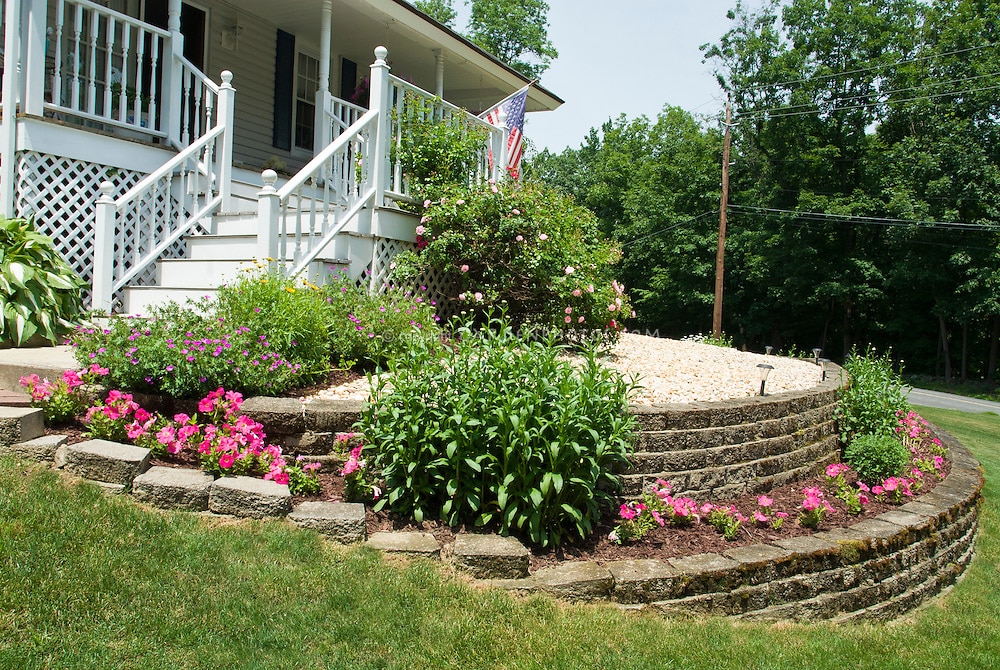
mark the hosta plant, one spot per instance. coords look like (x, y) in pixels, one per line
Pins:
(39, 292)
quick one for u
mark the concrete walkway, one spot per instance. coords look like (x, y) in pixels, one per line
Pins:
(43, 361)
(951, 401)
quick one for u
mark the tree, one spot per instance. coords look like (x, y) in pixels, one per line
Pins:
(442, 11)
(515, 31)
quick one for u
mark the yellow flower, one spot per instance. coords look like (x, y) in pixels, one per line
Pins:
(290, 289)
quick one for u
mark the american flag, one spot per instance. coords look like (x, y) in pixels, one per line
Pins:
(513, 106)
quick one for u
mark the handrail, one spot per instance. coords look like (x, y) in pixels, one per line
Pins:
(299, 221)
(337, 109)
(311, 168)
(169, 167)
(135, 229)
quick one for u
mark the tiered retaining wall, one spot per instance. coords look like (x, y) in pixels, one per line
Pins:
(711, 450)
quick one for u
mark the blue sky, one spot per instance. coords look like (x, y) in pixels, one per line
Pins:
(626, 56)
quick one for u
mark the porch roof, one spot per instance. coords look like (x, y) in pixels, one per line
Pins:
(473, 78)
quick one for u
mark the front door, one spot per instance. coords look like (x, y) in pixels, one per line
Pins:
(194, 26)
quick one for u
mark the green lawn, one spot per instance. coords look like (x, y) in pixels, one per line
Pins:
(89, 581)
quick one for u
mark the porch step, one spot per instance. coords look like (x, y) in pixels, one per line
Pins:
(245, 223)
(193, 273)
(242, 247)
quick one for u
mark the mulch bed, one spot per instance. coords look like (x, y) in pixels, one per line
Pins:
(661, 543)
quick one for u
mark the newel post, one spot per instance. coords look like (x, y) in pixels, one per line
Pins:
(34, 41)
(268, 207)
(104, 250)
(226, 104)
(379, 101)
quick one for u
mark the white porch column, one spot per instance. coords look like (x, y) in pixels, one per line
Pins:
(379, 92)
(322, 130)
(439, 73)
(8, 127)
(34, 57)
(172, 73)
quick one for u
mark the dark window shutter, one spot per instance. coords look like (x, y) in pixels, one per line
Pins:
(284, 71)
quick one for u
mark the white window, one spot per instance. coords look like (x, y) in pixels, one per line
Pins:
(306, 85)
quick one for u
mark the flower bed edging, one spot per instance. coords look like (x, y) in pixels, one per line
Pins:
(877, 569)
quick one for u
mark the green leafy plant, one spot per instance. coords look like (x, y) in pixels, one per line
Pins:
(498, 429)
(435, 150)
(524, 246)
(263, 335)
(876, 457)
(39, 292)
(872, 398)
(367, 326)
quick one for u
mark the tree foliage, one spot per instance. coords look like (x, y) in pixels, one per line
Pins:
(515, 31)
(857, 125)
(442, 11)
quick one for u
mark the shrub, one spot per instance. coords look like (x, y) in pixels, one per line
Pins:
(183, 353)
(522, 245)
(287, 311)
(499, 429)
(872, 398)
(876, 457)
(39, 292)
(373, 326)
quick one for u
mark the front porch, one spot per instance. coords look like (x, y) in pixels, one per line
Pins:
(124, 150)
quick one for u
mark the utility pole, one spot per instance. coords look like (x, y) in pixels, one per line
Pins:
(720, 257)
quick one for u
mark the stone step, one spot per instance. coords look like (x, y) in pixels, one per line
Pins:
(341, 522)
(41, 449)
(173, 488)
(249, 497)
(14, 399)
(20, 424)
(104, 461)
(423, 545)
(490, 556)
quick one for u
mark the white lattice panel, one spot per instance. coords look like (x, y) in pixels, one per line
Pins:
(60, 194)
(438, 288)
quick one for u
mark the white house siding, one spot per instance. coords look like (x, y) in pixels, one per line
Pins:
(252, 63)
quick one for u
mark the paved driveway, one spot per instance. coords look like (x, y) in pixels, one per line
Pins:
(951, 401)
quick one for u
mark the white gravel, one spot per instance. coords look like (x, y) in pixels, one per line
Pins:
(674, 371)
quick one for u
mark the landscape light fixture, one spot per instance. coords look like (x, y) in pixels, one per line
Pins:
(764, 369)
(823, 362)
(768, 349)
(816, 352)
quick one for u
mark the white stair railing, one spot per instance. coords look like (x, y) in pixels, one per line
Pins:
(134, 230)
(298, 221)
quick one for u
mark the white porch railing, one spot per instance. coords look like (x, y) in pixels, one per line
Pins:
(106, 67)
(134, 230)
(402, 99)
(296, 223)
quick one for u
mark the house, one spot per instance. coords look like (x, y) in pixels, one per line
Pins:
(135, 132)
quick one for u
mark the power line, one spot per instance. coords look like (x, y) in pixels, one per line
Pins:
(871, 68)
(870, 220)
(670, 227)
(787, 108)
(872, 104)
